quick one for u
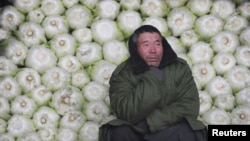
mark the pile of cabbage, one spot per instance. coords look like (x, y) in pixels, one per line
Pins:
(57, 56)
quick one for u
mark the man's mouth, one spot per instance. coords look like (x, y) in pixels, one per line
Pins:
(152, 58)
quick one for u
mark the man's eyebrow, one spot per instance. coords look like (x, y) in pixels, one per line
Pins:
(145, 41)
(158, 41)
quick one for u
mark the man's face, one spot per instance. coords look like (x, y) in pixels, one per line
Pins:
(150, 48)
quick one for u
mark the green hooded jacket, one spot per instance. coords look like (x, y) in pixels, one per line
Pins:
(136, 94)
(134, 98)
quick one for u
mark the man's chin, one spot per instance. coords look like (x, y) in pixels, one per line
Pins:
(153, 64)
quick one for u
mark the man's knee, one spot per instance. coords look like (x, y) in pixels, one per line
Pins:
(124, 133)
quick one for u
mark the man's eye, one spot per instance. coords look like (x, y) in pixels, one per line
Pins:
(158, 43)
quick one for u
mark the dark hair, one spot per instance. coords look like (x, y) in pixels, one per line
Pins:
(143, 29)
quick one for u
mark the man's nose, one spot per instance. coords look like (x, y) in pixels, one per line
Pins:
(152, 49)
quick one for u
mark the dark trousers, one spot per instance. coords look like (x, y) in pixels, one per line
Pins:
(178, 132)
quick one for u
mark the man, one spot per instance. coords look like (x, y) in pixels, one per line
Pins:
(153, 94)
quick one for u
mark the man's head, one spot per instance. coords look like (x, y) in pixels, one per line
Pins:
(148, 47)
(149, 44)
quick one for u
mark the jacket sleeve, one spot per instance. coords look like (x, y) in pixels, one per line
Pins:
(133, 98)
(184, 105)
